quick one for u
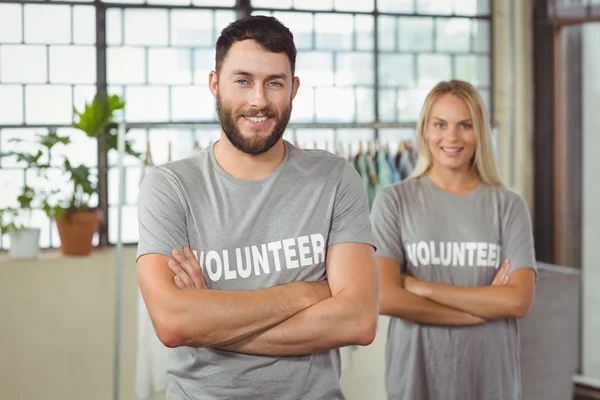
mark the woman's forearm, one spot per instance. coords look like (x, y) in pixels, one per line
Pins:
(400, 303)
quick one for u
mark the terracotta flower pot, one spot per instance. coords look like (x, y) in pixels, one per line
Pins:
(76, 231)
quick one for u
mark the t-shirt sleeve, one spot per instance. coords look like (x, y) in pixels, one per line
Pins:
(350, 221)
(518, 237)
(161, 215)
(385, 220)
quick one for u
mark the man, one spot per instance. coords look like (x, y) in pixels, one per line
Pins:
(275, 241)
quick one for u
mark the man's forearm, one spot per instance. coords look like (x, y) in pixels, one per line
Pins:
(211, 318)
(333, 323)
(398, 302)
(488, 302)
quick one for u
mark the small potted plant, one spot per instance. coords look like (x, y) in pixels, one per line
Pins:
(76, 219)
(24, 238)
(16, 220)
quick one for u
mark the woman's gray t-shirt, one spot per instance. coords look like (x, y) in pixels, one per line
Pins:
(459, 240)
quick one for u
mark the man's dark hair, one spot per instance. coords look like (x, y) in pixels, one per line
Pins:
(268, 32)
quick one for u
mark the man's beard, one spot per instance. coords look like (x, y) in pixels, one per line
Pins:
(253, 145)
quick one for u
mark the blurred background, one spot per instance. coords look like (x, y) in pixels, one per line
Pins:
(73, 74)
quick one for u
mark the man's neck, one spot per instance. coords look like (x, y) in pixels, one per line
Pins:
(458, 182)
(247, 166)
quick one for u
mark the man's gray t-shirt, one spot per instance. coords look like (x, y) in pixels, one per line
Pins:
(459, 240)
(251, 235)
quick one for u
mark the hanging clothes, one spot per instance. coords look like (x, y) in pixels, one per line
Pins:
(406, 164)
(365, 166)
(385, 176)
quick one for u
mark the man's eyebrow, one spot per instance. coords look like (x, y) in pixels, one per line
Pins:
(239, 72)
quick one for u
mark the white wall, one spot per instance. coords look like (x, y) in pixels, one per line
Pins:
(591, 201)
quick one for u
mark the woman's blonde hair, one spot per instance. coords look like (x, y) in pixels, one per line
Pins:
(484, 161)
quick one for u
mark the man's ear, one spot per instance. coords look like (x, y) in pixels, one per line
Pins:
(213, 83)
(295, 86)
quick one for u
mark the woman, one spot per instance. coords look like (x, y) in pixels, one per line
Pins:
(442, 238)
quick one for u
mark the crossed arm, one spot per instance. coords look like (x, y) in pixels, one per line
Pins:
(441, 304)
(297, 318)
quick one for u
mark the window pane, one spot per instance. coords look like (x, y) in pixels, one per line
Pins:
(83, 94)
(304, 105)
(129, 233)
(387, 105)
(11, 183)
(474, 69)
(365, 108)
(399, 6)
(354, 69)
(84, 25)
(222, 19)
(438, 7)
(72, 64)
(82, 150)
(193, 103)
(169, 66)
(192, 28)
(48, 104)
(11, 23)
(315, 68)
(147, 104)
(453, 34)
(23, 64)
(313, 4)
(271, 3)
(220, 3)
(301, 25)
(204, 62)
(27, 144)
(415, 33)
(433, 68)
(410, 103)
(138, 139)
(334, 31)
(146, 27)
(481, 36)
(335, 104)
(472, 7)
(132, 184)
(114, 26)
(126, 65)
(396, 70)
(364, 32)
(170, 2)
(387, 33)
(354, 5)
(352, 137)
(11, 104)
(36, 24)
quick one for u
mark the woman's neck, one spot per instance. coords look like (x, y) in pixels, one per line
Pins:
(454, 181)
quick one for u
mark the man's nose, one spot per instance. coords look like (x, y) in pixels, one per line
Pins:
(259, 97)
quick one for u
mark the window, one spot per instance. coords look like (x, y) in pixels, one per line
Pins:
(159, 54)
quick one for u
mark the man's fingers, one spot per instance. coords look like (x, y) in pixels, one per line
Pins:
(190, 266)
(501, 274)
(179, 283)
(179, 272)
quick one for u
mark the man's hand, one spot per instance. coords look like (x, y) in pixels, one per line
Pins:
(188, 274)
(502, 277)
(187, 270)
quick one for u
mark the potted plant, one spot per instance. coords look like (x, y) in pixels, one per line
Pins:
(24, 238)
(77, 221)
(16, 220)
